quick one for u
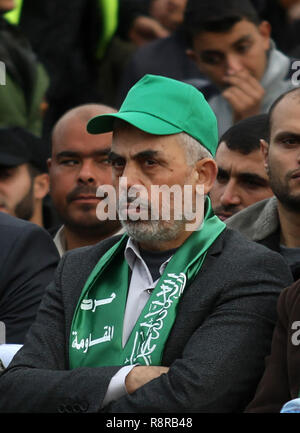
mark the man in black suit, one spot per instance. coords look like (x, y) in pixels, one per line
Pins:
(176, 315)
(28, 259)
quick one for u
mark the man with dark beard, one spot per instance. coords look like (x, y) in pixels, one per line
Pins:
(78, 166)
(24, 181)
(275, 222)
(242, 179)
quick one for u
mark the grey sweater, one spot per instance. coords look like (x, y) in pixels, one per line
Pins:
(257, 222)
(276, 81)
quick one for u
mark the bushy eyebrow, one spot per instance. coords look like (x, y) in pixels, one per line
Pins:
(286, 134)
(246, 38)
(245, 177)
(73, 154)
(222, 172)
(140, 155)
(253, 178)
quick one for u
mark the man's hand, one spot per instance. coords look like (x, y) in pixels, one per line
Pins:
(146, 29)
(141, 375)
(244, 94)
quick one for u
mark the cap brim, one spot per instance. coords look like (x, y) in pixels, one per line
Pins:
(11, 160)
(144, 121)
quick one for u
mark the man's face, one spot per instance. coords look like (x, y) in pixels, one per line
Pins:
(241, 181)
(243, 48)
(282, 155)
(16, 191)
(169, 13)
(7, 5)
(79, 165)
(146, 161)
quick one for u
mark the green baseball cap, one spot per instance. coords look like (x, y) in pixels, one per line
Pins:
(163, 106)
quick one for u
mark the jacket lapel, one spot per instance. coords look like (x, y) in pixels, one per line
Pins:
(193, 307)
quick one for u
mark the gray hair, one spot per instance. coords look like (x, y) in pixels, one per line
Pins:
(194, 150)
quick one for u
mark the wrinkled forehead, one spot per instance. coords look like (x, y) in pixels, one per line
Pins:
(132, 143)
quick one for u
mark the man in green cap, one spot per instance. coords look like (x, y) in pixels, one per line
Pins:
(174, 316)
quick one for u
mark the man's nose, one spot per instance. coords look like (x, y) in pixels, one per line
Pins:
(233, 64)
(230, 196)
(87, 173)
(132, 175)
(132, 183)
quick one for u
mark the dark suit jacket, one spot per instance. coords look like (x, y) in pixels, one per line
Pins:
(273, 242)
(215, 350)
(281, 380)
(28, 259)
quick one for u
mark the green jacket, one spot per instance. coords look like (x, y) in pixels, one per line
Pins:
(26, 82)
(14, 111)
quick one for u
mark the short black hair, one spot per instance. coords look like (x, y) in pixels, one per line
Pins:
(244, 137)
(274, 105)
(216, 16)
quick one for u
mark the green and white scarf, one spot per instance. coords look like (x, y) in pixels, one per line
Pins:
(97, 326)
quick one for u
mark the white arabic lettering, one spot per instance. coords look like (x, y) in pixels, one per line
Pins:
(86, 343)
(158, 311)
(92, 304)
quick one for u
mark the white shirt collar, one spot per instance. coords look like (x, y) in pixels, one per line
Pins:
(132, 255)
(61, 243)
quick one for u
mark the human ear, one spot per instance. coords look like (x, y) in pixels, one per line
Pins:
(265, 31)
(206, 170)
(41, 186)
(264, 147)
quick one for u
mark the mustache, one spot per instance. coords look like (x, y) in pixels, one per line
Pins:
(293, 173)
(80, 190)
(125, 201)
(229, 208)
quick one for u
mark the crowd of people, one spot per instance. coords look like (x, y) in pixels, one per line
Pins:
(149, 202)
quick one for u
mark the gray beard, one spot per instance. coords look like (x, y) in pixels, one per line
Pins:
(146, 231)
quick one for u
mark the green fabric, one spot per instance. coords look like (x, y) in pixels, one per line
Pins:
(163, 106)
(13, 108)
(21, 106)
(109, 13)
(13, 16)
(97, 326)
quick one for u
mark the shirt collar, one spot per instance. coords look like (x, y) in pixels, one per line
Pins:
(60, 241)
(132, 255)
